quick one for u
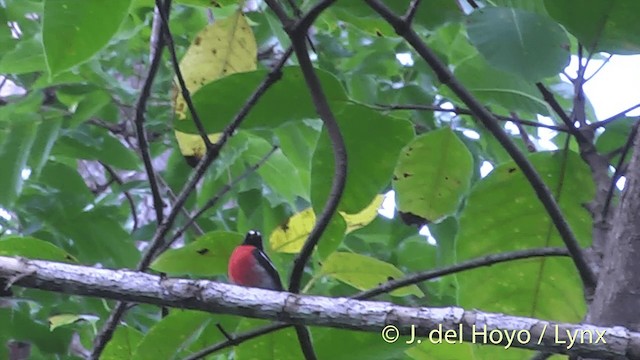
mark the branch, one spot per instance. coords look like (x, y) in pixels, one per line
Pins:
(411, 11)
(342, 313)
(141, 135)
(118, 180)
(214, 200)
(463, 111)
(488, 260)
(616, 176)
(542, 191)
(613, 118)
(168, 37)
(396, 284)
(297, 34)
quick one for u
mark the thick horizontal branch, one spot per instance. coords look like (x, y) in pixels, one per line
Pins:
(481, 327)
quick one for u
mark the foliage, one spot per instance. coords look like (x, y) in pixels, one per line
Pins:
(74, 187)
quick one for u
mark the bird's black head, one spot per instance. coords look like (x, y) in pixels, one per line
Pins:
(253, 238)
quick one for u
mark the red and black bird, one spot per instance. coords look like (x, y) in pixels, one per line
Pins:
(250, 266)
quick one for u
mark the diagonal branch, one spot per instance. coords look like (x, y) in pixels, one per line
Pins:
(343, 313)
(168, 37)
(463, 111)
(214, 200)
(616, 176)
(132, 204)
(391, 285)
(487, 119)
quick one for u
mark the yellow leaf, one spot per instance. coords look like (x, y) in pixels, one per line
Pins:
(290, 237)
(364, 217)
(67, 319)
(223, 48)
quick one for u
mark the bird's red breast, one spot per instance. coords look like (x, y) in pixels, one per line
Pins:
(245, 269)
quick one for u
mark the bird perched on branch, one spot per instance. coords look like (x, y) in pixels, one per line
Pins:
(250, 266)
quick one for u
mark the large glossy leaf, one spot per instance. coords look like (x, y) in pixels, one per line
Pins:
(493, 86)
(521, 42)
(223, 48)
(363, 272)
(502, 214)
(124, 342)
(208, 255)
(287, 100)
(27, 56)
(370, 158)
(16, 140)
(33, 248)
(170, 334)
(433, 173)
(600, 25)
(86, 26)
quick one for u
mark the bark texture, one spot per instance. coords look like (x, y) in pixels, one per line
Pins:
(617, 298)
(381, 317)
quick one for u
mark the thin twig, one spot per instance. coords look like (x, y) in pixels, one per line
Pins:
(141, 135)
(214, 200)
(605, 122)
(411, 11)
(551, 100)
(392, 285)
(605, 62)
(616, 176)
(523, 134)
(132, 205)
(185, 212)
(488, 260)
(538, 185)
(176, 68)
(463, 111)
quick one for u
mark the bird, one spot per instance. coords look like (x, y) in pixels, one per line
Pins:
(250, 266)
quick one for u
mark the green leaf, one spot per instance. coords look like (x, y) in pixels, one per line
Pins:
(86, 26)
(373, 142)
(125, 340)
(432, 175)
(614, 136)
(363, 272)
(287, 100)
(493, 86)
(207, 256)
(16, 140)
(518, 41)
(92, 144)
(33, 248)
(503, 213)
(600, 25)
(279, 345)
(46, 137)
(26, 57)
(416, 254)
(88, 106)
(169, 335)
(341, 344)
(277, 172)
